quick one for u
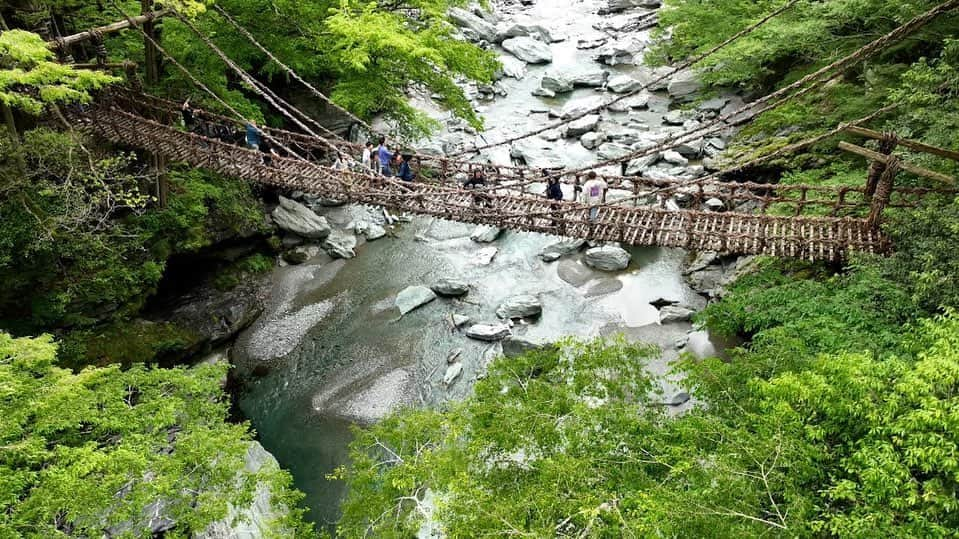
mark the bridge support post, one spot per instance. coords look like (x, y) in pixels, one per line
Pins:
(887, 144)
(883, 191)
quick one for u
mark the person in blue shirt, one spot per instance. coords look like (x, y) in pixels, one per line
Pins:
(253, 136)
(406, 173)
(385, 157)
(554, 190)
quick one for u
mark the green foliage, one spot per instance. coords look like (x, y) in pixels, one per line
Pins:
(81, 453)
(364, 54)
(242, 269)
(567, 443)
(79, 244)
(124, 343)
(29, 79)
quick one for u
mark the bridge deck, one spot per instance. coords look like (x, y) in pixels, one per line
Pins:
(806, 237)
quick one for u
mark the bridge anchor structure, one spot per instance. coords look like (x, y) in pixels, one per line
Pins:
(812, 222)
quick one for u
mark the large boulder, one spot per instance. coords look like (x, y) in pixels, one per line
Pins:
(450, 288)
(612, 150)
(512, 67)
(260, 518)
(488, 332)
(529, 50)
(340, 244)
(294, 217)
(675, 313)
(563, 248)
(516, 346)
(562, 81)
(623, 84)
(616, 6)
(607, 258)
(626, 50)
(581, 126)
(592, 140)
(537, 153)
(522, 306)
(524, 29)
(481, 28)
(581, 106)
(485, 234)
(413, 297)
(683, 85)
(654, 79)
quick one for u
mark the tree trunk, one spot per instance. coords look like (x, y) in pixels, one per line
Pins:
(152, 55)
(10, 122)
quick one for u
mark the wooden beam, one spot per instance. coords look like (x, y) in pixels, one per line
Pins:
(876, 156)
(110, 28)
(108, 65)
(911, 144)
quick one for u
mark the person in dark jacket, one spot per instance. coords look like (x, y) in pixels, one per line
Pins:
(405, 173)
(554, 189)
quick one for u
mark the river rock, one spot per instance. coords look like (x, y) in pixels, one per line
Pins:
(563, 248)
(529, 50)
(450, 288)
(258, 519)
(340, 244)
(514, 346)
(638, 101)
(675, 313)
(683, 84)
(452, 373)
(714, 204)
(675, 158)
(521, 306)
(581, 126)
(460, 320)
(591, 41)
(488, 332)
(612, 150)
(623, 84)
(591, 141)
(481, 28)
(715, 104)
(294, 217)
(616, 6)
(525, 29)
(654, 79)
(537, 153)
(513, 67)
(626, 50)
(581, 106)
(413, 297)
(607, 258)
(641, 164)
(374, 232)
(484, 256)
(485, 234)
(453, 356)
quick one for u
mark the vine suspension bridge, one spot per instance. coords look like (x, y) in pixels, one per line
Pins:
(812, 222)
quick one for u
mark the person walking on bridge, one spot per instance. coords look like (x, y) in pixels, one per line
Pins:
(253, 135)
(367, 159)
(384, 155)
(405, 173)
(554, 190)
(594, 193)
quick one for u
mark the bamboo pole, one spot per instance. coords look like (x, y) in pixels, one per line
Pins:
(876, 156)
(108, 29)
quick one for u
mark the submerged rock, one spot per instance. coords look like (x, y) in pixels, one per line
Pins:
(413, 297)
(489, 332)
(607, 258)
(450, 288)
(452, 373)
(294, 217)
(521, 306)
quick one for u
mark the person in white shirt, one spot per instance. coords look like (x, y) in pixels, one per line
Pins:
(594, 193)
(368, 156)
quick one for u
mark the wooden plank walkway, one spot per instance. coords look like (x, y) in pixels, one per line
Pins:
(805, 237)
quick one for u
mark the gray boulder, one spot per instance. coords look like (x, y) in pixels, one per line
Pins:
(675, 313)
(592, 140)
(563, 248)
(616, 6)
(488, 332)
(581, 106)
(340, 244)
(294, 217)
(582, 125)
(481, 28)
(521, 306)
(612, 150)
(623, 84)
(675, 158)
(516, 346)
(654, 79)
(529, 50)
(626, 50)
(450, 288)
(485, 234)
(607, 258)
(413, 297)
(452, 373)
(683, 84)
(525, 29)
